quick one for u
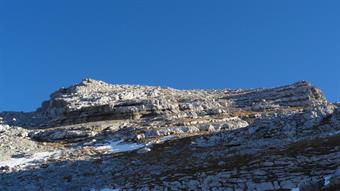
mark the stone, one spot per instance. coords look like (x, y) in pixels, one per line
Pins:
(335, 179)
(4, 168)
(95, 135)
(265, 186)
(221, 163)
(207, 127)
(57, 135)
(144, 150)
(314, 184)
(140, 136)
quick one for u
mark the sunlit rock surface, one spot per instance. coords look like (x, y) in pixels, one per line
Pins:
(97, 136)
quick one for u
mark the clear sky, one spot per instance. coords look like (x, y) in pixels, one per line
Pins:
(45, 45)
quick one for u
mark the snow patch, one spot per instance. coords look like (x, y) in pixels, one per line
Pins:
(120, 146)
(334, 133)
(327, 179)
(13, 162)
(295, 189)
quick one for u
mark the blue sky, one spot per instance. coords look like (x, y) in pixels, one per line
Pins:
(45, 45)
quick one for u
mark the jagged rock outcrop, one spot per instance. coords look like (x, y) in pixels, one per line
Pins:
(94, 135)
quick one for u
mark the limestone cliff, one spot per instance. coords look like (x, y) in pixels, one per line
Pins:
(95, 135)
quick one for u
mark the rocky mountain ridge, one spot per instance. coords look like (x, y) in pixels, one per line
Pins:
(95, 135)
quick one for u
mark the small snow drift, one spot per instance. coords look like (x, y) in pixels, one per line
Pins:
(23, 161)
(120, 146)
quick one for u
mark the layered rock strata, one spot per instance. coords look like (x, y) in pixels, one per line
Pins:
(94, 135)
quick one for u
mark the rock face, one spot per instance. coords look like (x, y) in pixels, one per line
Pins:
(94, 135)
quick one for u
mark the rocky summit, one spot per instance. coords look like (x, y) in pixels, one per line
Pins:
(97, 136)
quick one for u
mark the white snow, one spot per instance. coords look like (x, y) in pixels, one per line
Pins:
(295, 189)
(120, 146)
(327, 178)
(12, 162)
(334, 133)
